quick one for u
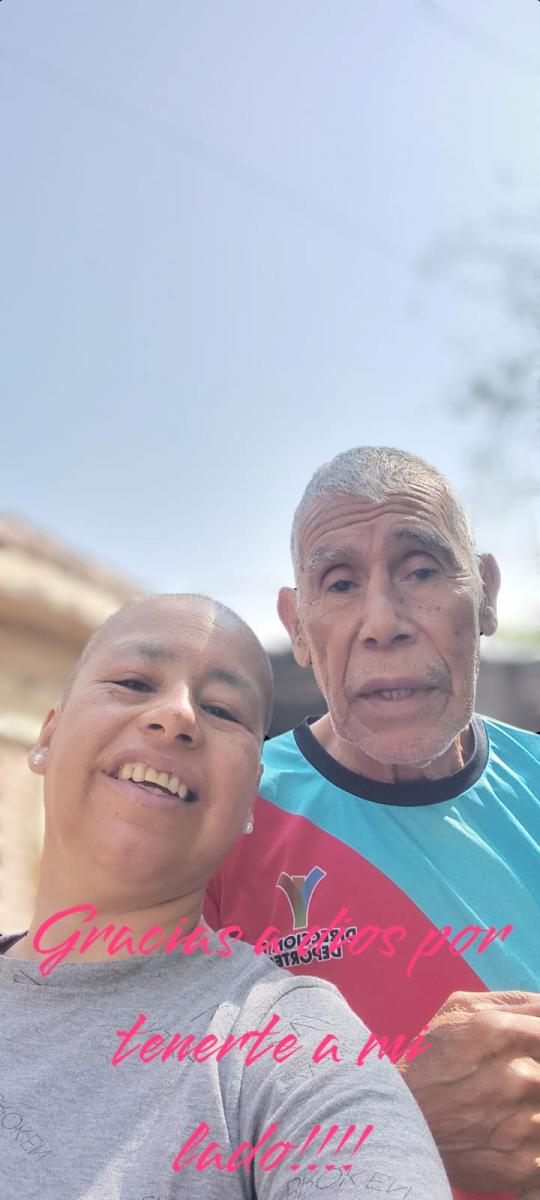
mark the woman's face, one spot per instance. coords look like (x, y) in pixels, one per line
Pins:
(152, 764)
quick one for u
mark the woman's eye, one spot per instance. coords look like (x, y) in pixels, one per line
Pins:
(340, 585)
(135, 685)
(216, 710)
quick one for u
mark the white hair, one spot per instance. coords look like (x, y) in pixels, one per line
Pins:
(374, 473)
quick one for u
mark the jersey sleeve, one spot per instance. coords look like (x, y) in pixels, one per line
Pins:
(389, 1147)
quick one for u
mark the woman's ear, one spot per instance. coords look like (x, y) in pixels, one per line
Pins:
(288, 612)
(37, 756)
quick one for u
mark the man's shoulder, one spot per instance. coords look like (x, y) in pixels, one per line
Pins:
(511, 740)
(281, 749)
(283, 760)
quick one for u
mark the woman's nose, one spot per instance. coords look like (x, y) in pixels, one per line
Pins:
(174, 715)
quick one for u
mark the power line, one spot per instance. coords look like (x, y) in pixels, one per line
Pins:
(237, 170)
(480, 38)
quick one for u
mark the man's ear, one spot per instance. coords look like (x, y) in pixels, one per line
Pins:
(491, 582)
(288, 613)
(37, 756)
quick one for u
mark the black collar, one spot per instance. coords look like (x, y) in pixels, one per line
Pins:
(417, 792)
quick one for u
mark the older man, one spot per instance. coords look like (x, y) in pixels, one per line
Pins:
(142, 1057)
(396, 842)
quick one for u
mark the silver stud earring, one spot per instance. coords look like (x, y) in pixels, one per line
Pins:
(248, 827)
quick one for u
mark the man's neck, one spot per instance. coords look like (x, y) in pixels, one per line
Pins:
(354, 759)
(180, 915)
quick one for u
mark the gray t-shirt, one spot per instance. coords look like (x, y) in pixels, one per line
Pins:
(73, 1126)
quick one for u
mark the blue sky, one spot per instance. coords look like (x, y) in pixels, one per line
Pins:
(214, 220)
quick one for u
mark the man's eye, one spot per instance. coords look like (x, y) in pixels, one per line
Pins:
(216, 710)
(340, 585)
(135, 685)
(423, 573)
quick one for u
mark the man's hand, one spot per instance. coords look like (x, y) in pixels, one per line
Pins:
(478, 1086)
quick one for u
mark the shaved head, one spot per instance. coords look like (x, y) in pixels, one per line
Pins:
(181, 685)
(216, 615)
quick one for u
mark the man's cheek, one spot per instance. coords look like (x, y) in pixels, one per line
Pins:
(323, 678)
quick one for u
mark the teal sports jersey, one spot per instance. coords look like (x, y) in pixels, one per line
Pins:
(434, 884)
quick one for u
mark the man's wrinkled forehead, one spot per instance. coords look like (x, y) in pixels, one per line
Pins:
(337, 525)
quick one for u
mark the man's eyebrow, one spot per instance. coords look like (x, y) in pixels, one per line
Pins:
(431, 541)
(326, 554)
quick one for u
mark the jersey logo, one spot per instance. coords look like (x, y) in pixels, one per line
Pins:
(299, 891)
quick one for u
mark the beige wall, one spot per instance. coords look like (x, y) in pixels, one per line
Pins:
(35, 665)
(50, 604)
(21, 827)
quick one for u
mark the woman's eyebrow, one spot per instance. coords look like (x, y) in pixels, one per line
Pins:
(151, 650)
(154, 651)
(222, 675)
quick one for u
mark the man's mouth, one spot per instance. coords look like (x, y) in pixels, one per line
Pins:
(398, 692)
(158, 782)
(395, 693)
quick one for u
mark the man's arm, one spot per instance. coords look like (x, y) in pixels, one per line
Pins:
(479, 1089)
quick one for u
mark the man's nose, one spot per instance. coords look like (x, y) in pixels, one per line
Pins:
(173, 715)
(385, 618)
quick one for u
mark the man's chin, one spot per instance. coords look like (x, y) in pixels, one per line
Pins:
(412, 749)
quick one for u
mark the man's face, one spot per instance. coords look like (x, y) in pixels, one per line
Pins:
(388, 613)
(173, 698)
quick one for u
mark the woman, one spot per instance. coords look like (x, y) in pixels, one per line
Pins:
(143, 1057)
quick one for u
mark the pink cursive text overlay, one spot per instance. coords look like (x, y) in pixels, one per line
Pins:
(273, 1152)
